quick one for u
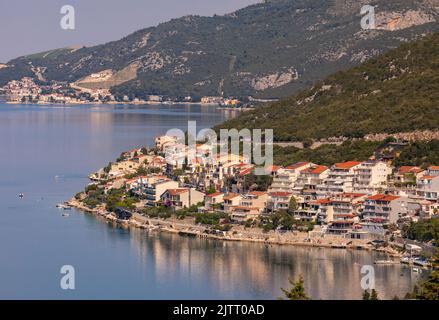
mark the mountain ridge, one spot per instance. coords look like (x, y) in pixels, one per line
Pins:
(396, 92)
(232, 55)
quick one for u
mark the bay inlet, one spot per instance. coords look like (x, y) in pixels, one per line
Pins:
(47, 153)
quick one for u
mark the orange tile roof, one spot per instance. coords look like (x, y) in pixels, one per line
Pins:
(297, 165)
(433, 168)
(215, 194)
(280, 194)
(409, 169)
(257, 193)
(231, 196)
(428, 177)
(383, 197)
(315, 170)
(246, 172)
(273, 168)
(347, 165)
(323, 201)
(174, 192)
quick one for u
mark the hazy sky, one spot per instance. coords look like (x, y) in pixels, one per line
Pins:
(30, 26)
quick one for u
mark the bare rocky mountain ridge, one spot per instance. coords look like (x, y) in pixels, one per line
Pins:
(266, 50)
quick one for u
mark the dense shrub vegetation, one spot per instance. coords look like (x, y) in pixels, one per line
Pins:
(397, 92)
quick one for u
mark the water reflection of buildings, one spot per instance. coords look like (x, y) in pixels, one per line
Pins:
(238, 269)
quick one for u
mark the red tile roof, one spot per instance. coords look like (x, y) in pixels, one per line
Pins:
(246, 172)
(347, 165)
(297, 165)
(383, 197)
(409, 169)
(273, 168)
(231, 196)
(174, 192)
(280, 194)
(433, 168)
(316, 170)
(428, 177)
(257, 193)
(215, 194)
(323, 201)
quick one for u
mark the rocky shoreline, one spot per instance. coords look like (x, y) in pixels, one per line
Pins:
(238, 234)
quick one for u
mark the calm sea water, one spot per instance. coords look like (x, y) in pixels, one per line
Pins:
(47, 153)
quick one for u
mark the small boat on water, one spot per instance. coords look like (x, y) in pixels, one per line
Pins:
(386, 262)
(21, 195)
(63, 206)
(66, 215)
(421, 263)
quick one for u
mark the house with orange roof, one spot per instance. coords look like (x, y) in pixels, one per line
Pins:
(180, 198)
(131, 184)
(122, 168)
(346, 208)
(250, 206)
(433, 171)
(231, 200)
(163, 141)
(152, 187)
(244, 213)
(408, 174)
(285, 179)
(279, 200)
(213, 200)
(428, 187)
(340, 179)
(273, 170)
(309, 179)
(371, 176)
(381, 210)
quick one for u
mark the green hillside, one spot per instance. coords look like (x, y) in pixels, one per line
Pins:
(396, 92)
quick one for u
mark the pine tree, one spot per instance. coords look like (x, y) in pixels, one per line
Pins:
(366, 295)
(429, 290)
(374, 295)
(297, 292)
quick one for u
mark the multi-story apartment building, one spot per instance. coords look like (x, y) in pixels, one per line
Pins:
(309, 179)
(346, 208)
(340, 180)
(285, 178)
(231, 200)
(163, 141)
(213, 201)
(381, 210)
(181, 198)
(310, 211)
(371, 176)
(278, 201)
(152, 187)
(433, 171)
(250, 206)
(122, 168)
(428, 187)
(408, 174)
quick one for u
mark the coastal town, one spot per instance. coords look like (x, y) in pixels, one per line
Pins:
(352, 204)
(27, 90)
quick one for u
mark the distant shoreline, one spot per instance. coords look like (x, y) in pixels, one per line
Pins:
(128, 104)
(257, 236)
